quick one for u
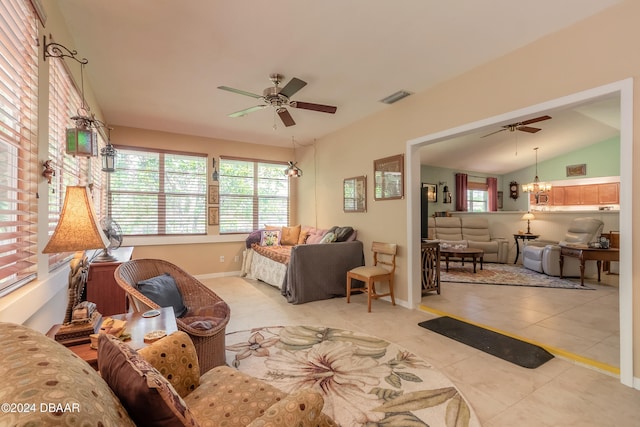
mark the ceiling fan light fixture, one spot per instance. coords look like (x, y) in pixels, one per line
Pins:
(395, 97)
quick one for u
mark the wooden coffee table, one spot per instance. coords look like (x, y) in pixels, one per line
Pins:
(462, 253)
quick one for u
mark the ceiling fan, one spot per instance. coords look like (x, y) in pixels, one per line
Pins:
(521, 126)
(279, 98)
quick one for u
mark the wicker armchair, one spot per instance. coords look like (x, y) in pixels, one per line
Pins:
(210, 345)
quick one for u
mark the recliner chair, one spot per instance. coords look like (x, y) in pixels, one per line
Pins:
(544, 258)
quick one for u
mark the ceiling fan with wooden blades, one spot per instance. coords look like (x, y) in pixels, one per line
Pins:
(279, 98)
(521, 126)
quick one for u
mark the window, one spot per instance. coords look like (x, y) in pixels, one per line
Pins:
(253, 193)
(477, 200)
(157, 193)
(18, 144)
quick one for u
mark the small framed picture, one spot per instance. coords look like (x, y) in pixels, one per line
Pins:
(577, 170)
(431, 190)
(214, 194)
(214, 215)
(354, 198)
(500, 199)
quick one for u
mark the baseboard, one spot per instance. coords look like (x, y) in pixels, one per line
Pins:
(216, 275)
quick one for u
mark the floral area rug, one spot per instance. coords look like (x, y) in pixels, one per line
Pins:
(503, 274)
(364, 380)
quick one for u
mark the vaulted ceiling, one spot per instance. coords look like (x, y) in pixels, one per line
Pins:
(158, 64)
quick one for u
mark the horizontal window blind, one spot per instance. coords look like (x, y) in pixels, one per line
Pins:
(158, 192)
(18, 145)
(253, 193)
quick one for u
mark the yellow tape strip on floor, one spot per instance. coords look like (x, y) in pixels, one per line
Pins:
(553, 350)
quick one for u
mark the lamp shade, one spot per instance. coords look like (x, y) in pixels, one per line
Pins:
(78, 227)
(528, 216)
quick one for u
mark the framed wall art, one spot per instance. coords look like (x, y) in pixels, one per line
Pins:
(214, 194)
(431, 190)
(389, 178)
(577, 170)
(354, 191)
(214, 215)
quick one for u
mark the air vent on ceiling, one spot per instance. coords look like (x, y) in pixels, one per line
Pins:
(395, 97)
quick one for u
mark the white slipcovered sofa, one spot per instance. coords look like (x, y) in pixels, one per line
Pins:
(544, 256)
(472, 232)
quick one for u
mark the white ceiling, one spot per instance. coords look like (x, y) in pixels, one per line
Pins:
(157, 64)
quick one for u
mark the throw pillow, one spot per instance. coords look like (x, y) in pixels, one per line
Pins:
(315, 235)
(342, 233)
(164, 291)
(146, 395)
(174, 356)
(253, 237)
(270, 238)
(328, 238)
(290, 235)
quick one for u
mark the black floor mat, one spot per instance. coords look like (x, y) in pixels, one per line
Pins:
(510, 349)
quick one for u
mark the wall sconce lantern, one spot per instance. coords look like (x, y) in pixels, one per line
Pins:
(446, 195)
(82, 140)
(108, 154)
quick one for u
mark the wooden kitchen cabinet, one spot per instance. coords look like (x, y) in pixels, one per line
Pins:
(102, 288)
(609, 193)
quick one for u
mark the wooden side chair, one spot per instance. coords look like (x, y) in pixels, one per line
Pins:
(383, 270)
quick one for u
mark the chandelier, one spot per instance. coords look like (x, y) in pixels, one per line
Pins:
(536, 186)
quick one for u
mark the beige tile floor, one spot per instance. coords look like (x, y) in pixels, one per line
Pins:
(559, 393)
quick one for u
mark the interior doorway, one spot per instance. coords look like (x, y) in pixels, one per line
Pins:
(623, 89)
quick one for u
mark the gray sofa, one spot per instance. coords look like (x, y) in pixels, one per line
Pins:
(472, 232)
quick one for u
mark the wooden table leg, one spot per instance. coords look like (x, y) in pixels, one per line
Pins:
(446, 261)
(474, 263)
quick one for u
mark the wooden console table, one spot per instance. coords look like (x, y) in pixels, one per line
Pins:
(588, 254)
(431, 267)
(137, 326)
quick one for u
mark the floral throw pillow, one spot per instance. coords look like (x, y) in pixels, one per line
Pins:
(270, 238)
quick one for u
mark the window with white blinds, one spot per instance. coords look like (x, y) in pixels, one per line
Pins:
(18, 145)
(253, 193)
(155, 192)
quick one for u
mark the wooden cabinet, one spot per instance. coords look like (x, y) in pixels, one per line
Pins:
(609, 194)
(102, 288)
(575, 195)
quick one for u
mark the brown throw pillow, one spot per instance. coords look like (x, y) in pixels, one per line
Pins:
(147, 396)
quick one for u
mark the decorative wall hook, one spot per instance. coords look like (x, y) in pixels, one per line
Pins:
(48, 171)
(56, 50)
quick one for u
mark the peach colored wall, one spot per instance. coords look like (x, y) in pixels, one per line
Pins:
(592, 53)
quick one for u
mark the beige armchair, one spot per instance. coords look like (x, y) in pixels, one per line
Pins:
(544, 258)
(207, 315)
